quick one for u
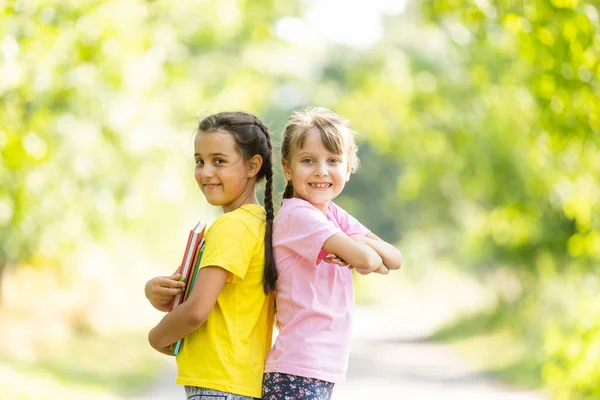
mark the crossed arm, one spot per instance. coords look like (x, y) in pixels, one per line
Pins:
(390, 255)
(366, 253)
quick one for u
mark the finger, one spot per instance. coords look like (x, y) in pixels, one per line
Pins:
(170, 283)
(176, 276)
(164, 299)
(170, 292)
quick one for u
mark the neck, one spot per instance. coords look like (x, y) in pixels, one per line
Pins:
(321, 206)
(248, 197)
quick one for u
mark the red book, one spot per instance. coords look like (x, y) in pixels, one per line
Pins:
(187, 264)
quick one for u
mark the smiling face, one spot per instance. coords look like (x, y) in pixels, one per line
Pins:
(225, 178)
(318, 175)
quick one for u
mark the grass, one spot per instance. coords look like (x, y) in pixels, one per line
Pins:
(88, 365)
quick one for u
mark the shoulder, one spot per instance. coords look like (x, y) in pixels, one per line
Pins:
(239, 222)
(348, 224)
(298, 209)
(336, 211)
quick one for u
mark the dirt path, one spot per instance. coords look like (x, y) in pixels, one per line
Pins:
(384, 364)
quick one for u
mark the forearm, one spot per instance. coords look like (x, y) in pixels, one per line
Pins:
(174, 326)
(354, 251)
(391, 256)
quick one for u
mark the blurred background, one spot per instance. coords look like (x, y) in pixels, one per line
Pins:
(479, 128)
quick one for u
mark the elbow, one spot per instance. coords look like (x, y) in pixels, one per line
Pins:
(195, 313)
(196, 319)
(396, 262)
(154, 339)
(374, 263)
(369, 264)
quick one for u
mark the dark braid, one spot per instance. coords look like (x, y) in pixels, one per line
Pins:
(288, 193)
(252, 137)
(270, 274)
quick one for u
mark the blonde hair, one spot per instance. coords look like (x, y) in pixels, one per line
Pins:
(336, 136)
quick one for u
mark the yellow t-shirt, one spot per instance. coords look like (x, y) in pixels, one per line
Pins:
(229, 350)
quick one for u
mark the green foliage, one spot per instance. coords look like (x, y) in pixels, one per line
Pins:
(97, 96)
(533, 66)
(494, 120)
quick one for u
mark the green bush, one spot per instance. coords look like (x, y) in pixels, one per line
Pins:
(571, 348)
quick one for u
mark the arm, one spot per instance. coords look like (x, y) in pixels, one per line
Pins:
(355, 252)
(160, 290)
(391, 256)
(192, 313)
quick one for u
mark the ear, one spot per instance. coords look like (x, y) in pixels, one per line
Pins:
(254, 165)
(348, 172)
(287, 172)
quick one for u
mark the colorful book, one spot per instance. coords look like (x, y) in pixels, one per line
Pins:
(187, 264)
(189, 287)
(195, 266)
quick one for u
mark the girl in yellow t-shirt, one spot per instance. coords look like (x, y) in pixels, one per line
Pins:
(228, 318)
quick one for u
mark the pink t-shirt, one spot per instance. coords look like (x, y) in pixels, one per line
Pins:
(315, 300)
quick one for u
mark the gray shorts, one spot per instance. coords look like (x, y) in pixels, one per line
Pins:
(199, 393)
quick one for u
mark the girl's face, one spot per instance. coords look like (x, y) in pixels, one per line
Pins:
(225, 178)
(318, 175)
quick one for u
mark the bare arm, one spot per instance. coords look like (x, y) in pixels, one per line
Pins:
(391, 256)
(192, 313)
(160, 290)
(353, 251)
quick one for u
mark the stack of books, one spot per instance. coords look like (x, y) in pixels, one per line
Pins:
(189, 268)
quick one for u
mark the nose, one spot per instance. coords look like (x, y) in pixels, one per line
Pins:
(321, 169)
(207, 171)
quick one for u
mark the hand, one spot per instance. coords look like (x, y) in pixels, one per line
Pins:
(382, 270)
(333, 259)
(160, 290)
(166, 350)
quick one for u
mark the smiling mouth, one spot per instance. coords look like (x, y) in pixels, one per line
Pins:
(211, 186)
(320, 185)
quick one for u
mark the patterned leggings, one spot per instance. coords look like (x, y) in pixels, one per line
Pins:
(278, 386)
(199, 393)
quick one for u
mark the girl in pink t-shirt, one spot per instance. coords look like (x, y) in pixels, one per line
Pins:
(316, 243)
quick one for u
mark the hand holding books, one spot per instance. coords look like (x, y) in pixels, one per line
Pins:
(161, 290)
